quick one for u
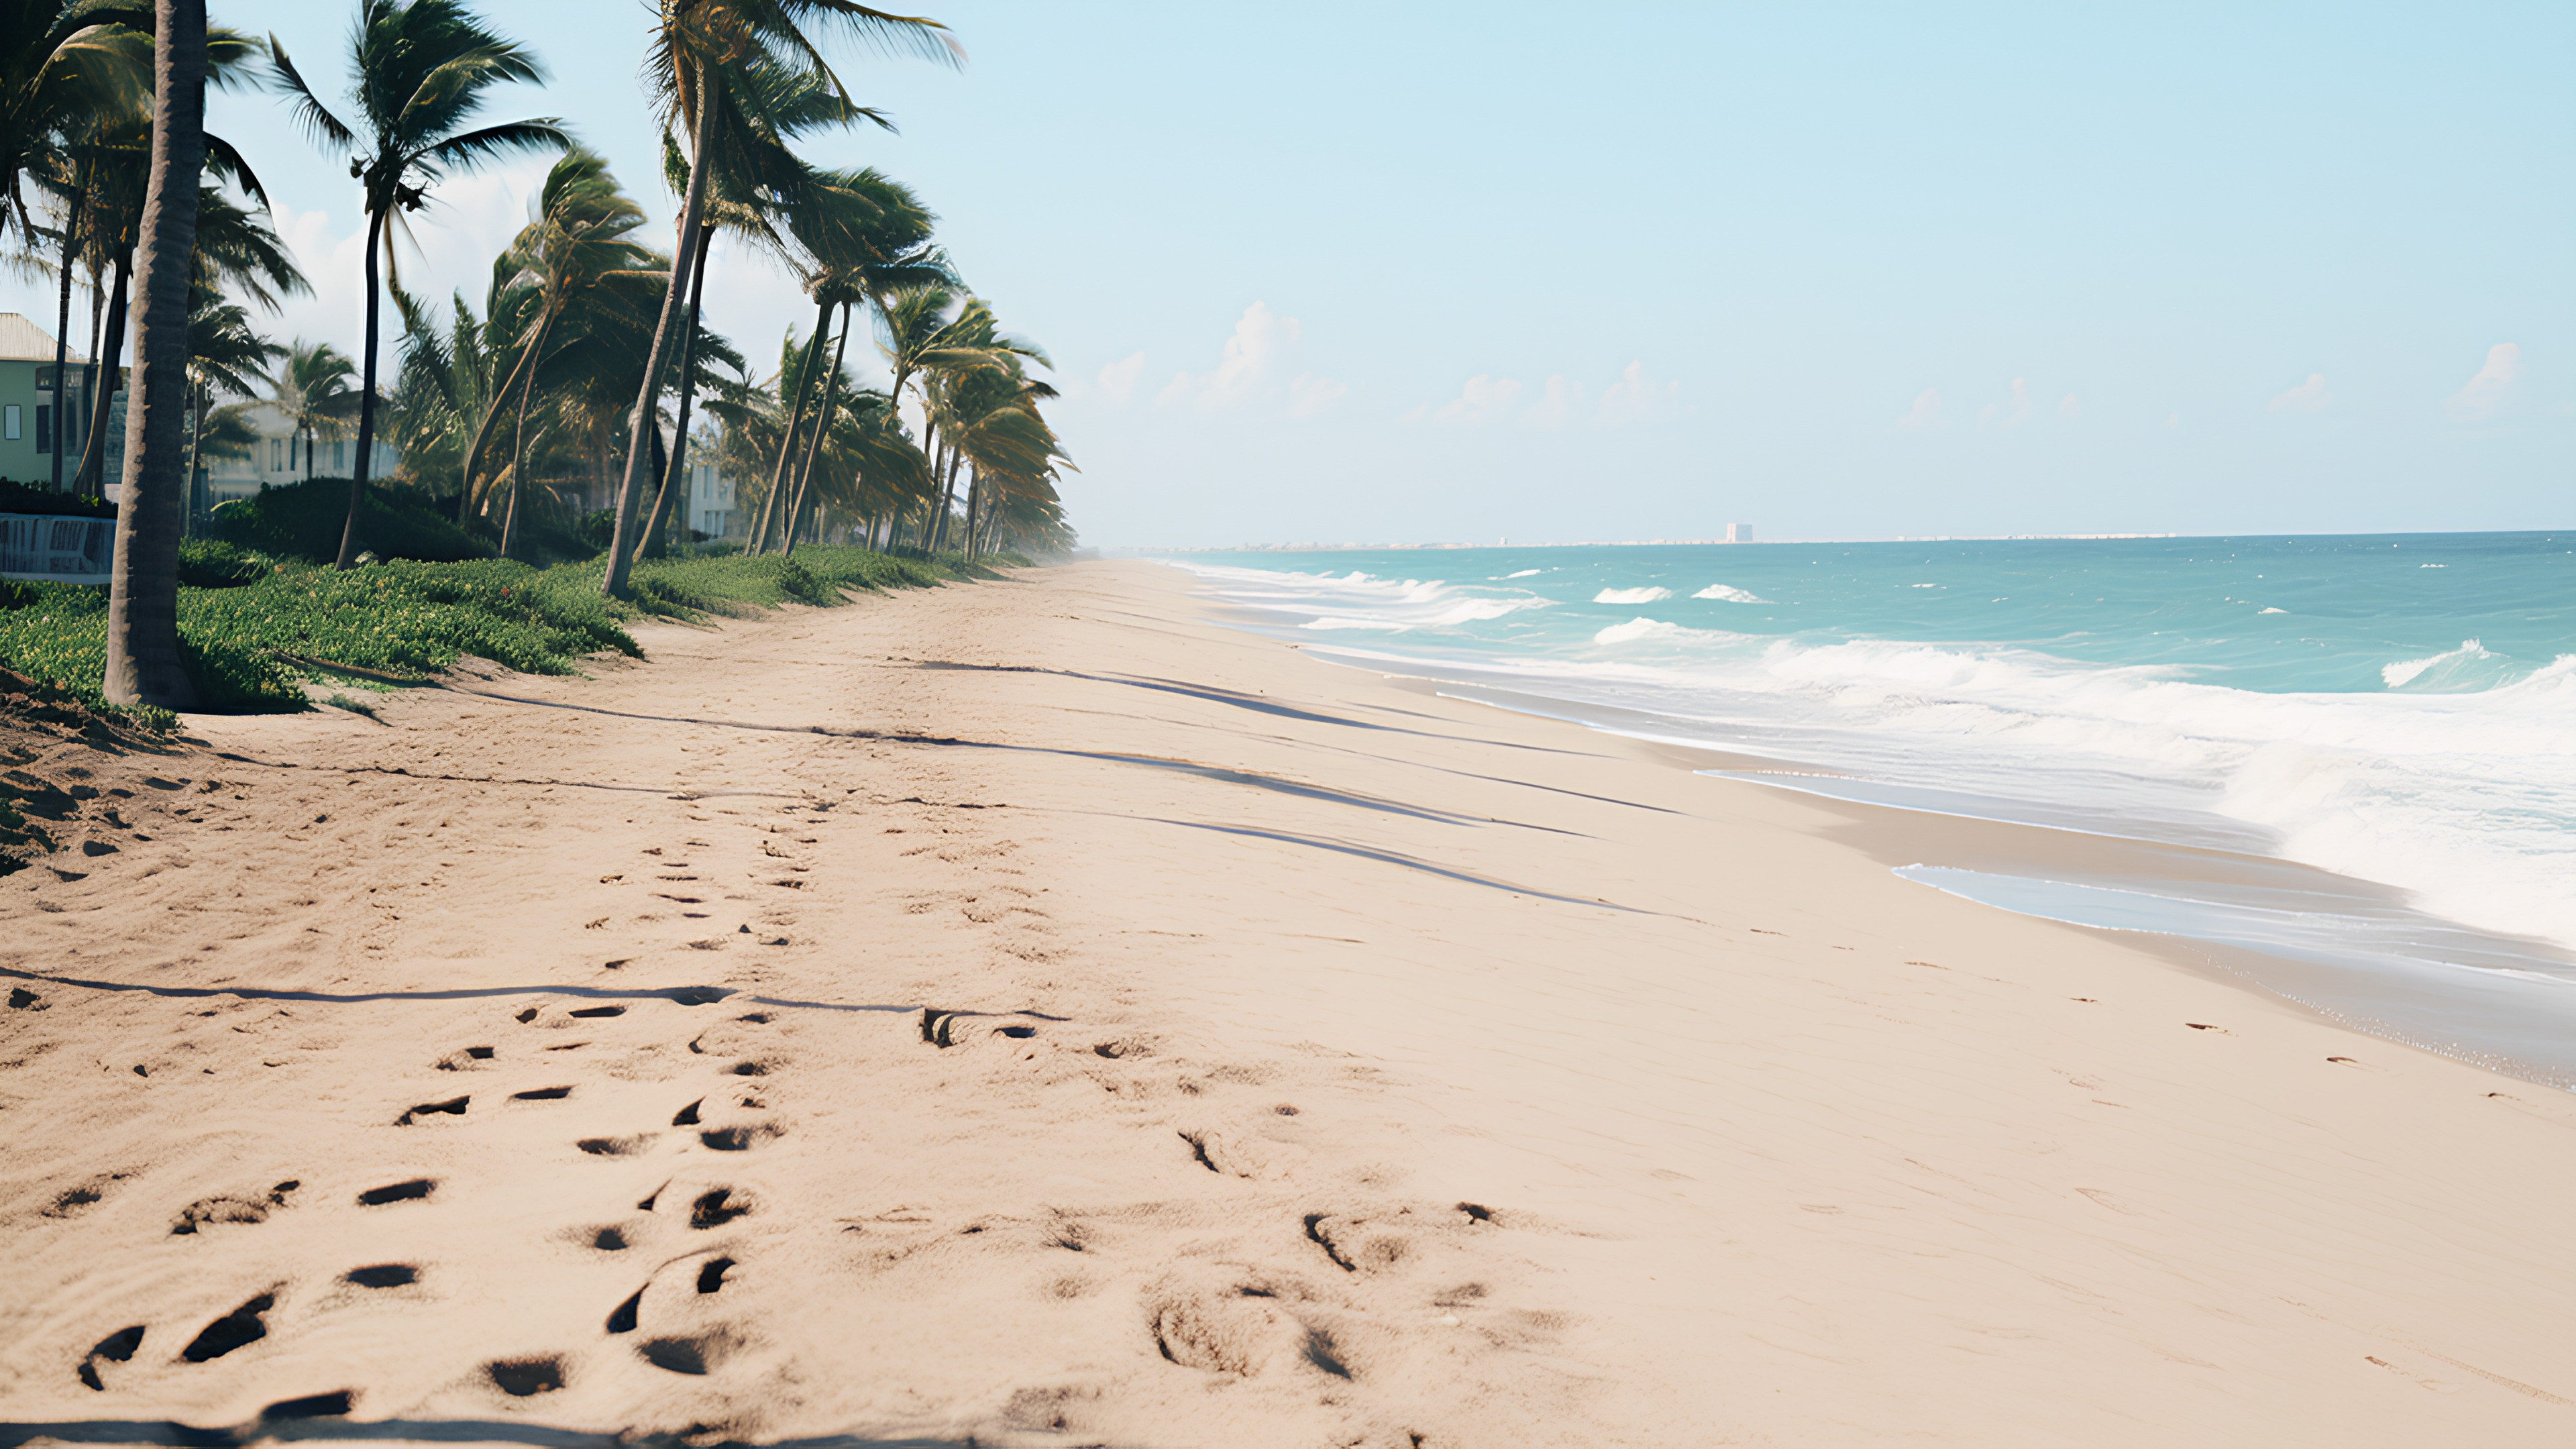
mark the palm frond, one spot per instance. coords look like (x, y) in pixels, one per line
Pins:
(308, 111)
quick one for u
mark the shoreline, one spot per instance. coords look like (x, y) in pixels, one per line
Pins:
(1730, 1131)
(2388, 968)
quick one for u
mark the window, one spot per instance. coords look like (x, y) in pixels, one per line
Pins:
(45, 429)
(339, 454)
(276, 455)
(9, 422)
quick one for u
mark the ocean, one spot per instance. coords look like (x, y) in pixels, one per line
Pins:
(2396, 711)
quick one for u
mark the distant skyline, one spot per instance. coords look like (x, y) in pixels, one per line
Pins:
(1466, 272)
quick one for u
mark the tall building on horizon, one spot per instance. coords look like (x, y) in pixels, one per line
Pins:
(1739, 533)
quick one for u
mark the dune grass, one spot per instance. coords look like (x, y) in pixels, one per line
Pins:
(252, 646)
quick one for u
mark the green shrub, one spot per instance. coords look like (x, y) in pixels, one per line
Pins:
(41, 499)
(304, 520)
(211, 563)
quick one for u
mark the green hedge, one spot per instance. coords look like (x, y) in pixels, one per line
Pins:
(304, 520)
(41, 499)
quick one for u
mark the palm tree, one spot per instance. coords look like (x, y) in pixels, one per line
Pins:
(225, 356)
(310, 389)
(114, 168)
(439, 391)
(935, 339)
(576, 241)
(713, 61)
(753, 182)
(143, 661)
(420, 68)
(866, 237)
(61, 77)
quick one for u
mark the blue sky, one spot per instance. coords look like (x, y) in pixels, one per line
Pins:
(1417, 273)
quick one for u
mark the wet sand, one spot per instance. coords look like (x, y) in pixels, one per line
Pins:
(1033, 1013)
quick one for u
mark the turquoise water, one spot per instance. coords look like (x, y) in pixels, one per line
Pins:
(2398, 709)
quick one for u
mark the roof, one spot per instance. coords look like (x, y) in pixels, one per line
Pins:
(24, 341)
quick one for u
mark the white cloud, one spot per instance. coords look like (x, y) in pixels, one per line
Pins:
(2493, 387)
(2068, 407)
(1558, 402)
(1255, 362)
(1636, 399)
(1309, 394)
(1926, 412)
(1994, 415)
(1484, 399)
(2308, 397)
(1118, 379)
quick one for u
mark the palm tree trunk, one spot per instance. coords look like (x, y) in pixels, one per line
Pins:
(672, 471)
(94, 455)
(822, 425)
(693, 215)
(143, 663)
(519, 433)
(63, 320)
(946, 498)
(196, 443)
(483, 430)
(775, 503)
(89, 369)
(366, 399)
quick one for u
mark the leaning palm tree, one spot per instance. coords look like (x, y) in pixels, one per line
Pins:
(310, 389)
(420, 69)
(752, 181)
(226, 357)
(576, 241)
(706, 63)
(866, 237)
(143, 660)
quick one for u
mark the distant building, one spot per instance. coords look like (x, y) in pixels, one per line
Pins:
(27, 404)
(710, 506)
(1739, 533)
(277, 456)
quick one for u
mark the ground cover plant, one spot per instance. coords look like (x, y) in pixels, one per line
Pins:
(260, 628)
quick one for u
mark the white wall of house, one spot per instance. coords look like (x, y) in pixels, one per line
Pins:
(277, 457)
(711, 501)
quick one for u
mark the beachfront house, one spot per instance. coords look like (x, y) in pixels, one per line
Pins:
(710, 497)
(27, 403)
(278, 455)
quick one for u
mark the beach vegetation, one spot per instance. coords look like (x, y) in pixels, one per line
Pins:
(532, 507)
(419, 70)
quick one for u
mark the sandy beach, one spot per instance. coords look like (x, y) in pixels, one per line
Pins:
(1035, 1013)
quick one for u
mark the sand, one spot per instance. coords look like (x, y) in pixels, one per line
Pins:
(1331, 1063)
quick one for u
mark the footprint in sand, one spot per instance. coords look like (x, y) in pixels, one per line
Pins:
(524, 1377)
(206, 1211)
(241, 1326)
(452, 1107)
(117, 1347)
(412, 1191)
